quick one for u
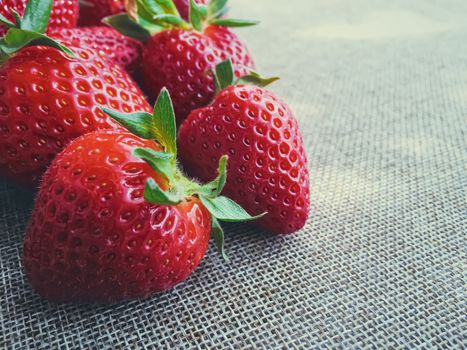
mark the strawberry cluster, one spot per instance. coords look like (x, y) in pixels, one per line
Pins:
(126, 208)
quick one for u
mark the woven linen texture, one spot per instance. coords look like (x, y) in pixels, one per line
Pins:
(380, 91)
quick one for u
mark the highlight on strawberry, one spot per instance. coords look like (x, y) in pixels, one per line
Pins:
(51, 94)
(268, 168)
(116, 219)
(64, 13)
(106, 41)
(180, 54)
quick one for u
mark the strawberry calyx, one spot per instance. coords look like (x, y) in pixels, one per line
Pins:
(144, 18)
(29, 30)
(160, 126)
(224, 77)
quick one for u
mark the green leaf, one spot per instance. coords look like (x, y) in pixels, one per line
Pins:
(6, 22)
(164, 122)
(162, 163)
(17, 17)
(256, 79)
(198, 14)
(225, 209)
(228, 22)
(140, 123)
(3, 56)
(218, 234)
(146, 18)
(170, 19)
(217, 7)
(158, 15)
(146, 12)
(36, 15)
(151, 7)
(159, 7)
(151, 26)
(126, 26)
(224, 76)
(16, 39)
(159, 127)
(154, 194)
(214, 188)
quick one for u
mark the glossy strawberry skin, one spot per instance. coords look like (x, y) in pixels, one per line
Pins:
(105, 40)
(183, 7)
(92, 237)
(182, 60)
(267, 169)
(48, 99)
(93, 11)
(64, 13)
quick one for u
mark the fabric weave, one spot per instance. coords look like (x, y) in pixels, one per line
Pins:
(379, 89)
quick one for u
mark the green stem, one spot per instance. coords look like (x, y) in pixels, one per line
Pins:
(3, 57)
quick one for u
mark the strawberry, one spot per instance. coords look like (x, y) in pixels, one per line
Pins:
(64, 13)
(115, 218)
(123, 50)
(268, 168)
(180, 55)
(93, 11)
(50, 95)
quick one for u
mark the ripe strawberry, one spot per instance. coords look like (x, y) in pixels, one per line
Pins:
(268, 168)
(93, 11)
(64, 13)
(115, 219)
(179, 55)
(123, 50)
(47, 99)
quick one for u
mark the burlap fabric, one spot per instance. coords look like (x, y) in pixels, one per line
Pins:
(380, 90)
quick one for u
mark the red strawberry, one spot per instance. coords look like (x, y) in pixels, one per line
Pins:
(180, 55)
(115, 219)
(47, 99)
(93, 11)
(64, 13)
(268, 168)
(123, 50)
(93, 237)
